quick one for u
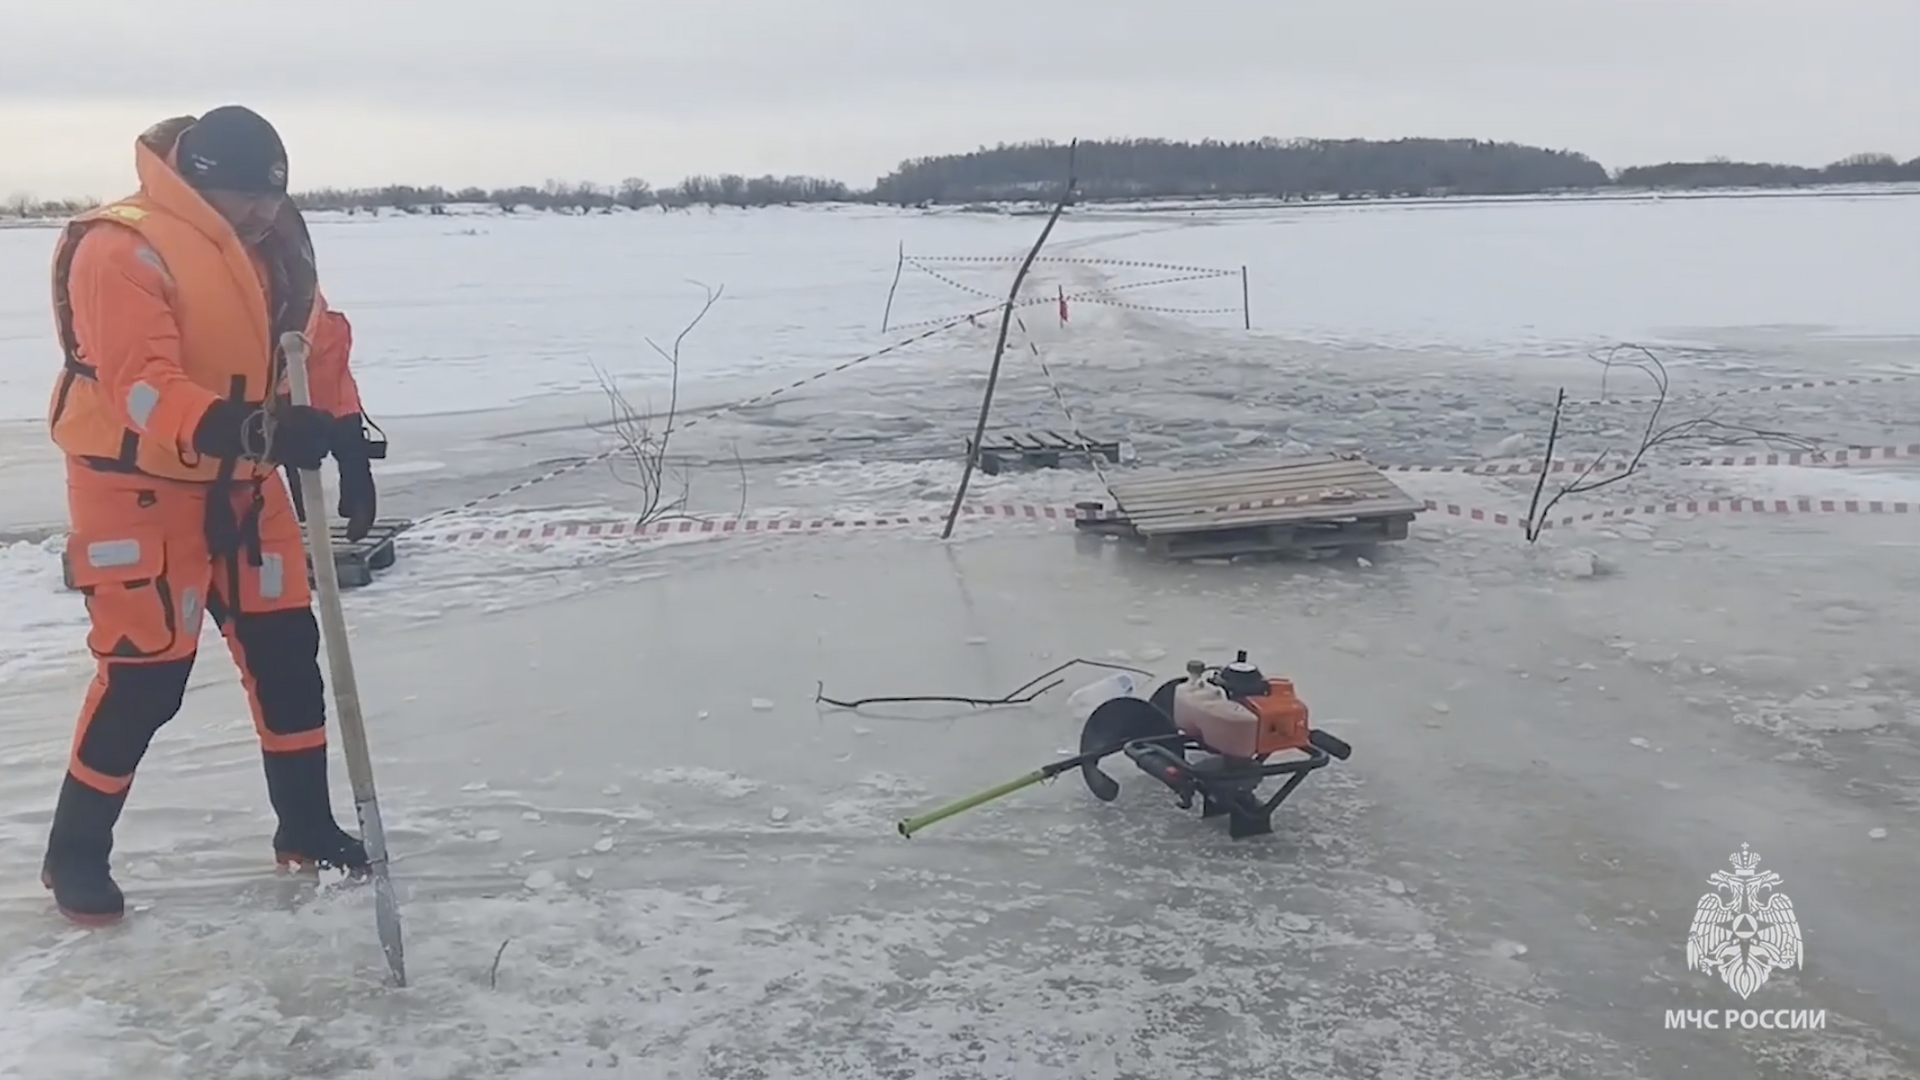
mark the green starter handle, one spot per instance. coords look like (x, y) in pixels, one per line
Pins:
(912, 825)
(1045, 772)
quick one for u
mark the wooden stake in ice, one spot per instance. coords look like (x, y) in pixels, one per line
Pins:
(346, 690)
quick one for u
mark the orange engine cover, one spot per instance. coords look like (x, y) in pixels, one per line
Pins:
(1283, 718)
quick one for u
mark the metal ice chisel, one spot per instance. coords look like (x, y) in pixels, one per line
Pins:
(346, 690)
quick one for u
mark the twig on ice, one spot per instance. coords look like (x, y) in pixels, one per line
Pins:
(1019, 695)
(493, 973)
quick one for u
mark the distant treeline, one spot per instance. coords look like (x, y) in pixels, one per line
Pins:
(1136, 169)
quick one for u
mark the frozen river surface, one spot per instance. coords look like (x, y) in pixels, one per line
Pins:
(630, 843)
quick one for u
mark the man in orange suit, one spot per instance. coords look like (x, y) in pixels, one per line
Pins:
(171, 410)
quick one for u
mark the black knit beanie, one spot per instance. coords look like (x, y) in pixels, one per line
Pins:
(233, 148)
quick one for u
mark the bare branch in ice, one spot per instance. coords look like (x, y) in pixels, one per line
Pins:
(1539, 485)
(740, 465)
(1699, 430)
(642, 462)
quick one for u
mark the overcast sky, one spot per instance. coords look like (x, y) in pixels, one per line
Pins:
(438, 91)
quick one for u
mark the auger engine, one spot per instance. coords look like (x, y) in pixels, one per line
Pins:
(1217, 733)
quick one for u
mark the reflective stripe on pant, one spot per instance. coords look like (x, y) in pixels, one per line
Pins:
(138, 551)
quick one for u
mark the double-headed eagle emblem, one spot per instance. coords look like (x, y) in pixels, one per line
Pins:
(1745, 929)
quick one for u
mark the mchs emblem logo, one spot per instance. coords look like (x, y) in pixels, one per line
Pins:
(1745, 929)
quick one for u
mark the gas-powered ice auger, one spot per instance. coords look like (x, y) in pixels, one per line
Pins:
(1218, 732)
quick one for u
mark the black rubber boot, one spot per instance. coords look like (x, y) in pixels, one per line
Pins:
(78, 847)
(308, 837)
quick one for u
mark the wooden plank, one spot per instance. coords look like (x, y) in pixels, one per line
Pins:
(1329, 472)
(1277, 508)
(1068, 442)
(1049, 441)
(1279, 489)
(1274, 516)
(1312, 492)
(1166, 476)
(1275, 486)
(1274, 510)
(1233, 539)
(1268, 515)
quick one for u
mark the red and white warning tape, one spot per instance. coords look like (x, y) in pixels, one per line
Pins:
(1769, 388)
(783, 525)
(1806, 459)
(1742, 507)
(1054, 515)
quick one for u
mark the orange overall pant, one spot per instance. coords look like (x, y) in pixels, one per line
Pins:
(139, 552)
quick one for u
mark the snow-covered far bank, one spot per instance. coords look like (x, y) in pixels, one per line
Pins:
(692, 868)
(1142, 205)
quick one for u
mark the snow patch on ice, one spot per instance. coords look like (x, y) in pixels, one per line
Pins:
(696, 982)
(1850, 712)
(1885, 483)
(727, 784)
(44, 623)
(405, 467)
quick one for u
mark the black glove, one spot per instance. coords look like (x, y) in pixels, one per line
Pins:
(358, 498)
(231, 429)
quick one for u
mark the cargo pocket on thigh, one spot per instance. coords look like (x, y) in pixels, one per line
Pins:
(123, 575)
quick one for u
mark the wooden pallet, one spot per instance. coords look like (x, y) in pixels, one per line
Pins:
(1041, 451)
(1292, 505)
(355, 561)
